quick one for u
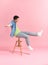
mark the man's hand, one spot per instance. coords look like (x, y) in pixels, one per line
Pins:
(9, 25)
(6, 26)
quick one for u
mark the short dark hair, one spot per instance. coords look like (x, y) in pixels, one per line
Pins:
(15, 17)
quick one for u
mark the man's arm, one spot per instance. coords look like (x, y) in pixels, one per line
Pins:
(9, 25)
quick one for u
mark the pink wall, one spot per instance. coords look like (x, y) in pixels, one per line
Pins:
(33, 17)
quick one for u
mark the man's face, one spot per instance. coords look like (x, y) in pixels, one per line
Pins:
(17, 20)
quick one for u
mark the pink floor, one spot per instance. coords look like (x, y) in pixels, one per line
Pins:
(36, 57)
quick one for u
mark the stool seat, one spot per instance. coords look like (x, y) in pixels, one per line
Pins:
(18, 45)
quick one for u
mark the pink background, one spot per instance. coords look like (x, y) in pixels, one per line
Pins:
(33, 17)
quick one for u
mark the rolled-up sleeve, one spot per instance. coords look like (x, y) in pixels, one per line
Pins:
(10, 24)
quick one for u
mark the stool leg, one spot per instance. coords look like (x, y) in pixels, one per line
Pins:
(19, 45)
(18, 42)
(20, 50)
(14, 46)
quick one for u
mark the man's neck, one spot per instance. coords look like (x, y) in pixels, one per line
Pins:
(14, 21)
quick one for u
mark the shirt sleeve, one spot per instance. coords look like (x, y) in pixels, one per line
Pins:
(13, 29)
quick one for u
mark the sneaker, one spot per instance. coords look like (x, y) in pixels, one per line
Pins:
(30, 48)
(40, 33)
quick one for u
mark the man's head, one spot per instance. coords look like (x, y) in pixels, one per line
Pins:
(16, 18)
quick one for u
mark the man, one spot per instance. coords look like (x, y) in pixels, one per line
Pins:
(15, 31)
